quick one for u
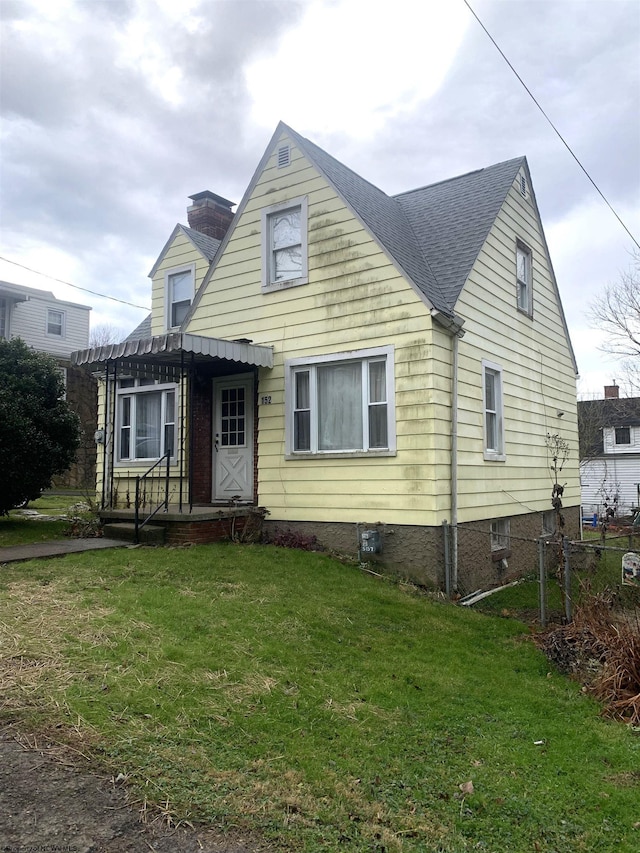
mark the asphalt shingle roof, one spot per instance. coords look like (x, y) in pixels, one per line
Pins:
(453, 218)
(434, 233)
(207, 245)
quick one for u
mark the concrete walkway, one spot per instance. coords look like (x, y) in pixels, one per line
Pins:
(57, 548)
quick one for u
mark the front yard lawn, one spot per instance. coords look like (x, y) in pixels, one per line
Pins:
(286, 693)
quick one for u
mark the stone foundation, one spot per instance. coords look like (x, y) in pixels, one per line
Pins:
(417, 553)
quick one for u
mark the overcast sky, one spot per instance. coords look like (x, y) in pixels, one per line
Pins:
(115, 111)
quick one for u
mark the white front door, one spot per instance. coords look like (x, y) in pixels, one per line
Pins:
(233, 439)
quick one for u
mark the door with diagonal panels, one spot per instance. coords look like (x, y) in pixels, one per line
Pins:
(233, 439)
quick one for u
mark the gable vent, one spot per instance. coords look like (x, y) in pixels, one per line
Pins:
(284, 156)
(522, 182)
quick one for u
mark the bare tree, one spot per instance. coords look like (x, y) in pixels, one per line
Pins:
(104, 334)
(617, 314)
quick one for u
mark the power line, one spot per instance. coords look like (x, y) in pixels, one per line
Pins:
(75, 286)
(559, 135)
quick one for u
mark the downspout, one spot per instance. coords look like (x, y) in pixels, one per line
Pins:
(454, 467)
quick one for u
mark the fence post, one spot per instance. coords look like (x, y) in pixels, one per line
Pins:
(566, 549)
(447, 559)
(543, 583)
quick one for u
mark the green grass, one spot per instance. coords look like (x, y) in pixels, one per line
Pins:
(18, 529)
(603, 575)
(285, 693)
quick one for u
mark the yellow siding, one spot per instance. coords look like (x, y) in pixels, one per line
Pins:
(355, 299)
(181, 252)
(538, 375)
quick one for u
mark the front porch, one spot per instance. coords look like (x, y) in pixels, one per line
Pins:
(178, 426)
(198, 525)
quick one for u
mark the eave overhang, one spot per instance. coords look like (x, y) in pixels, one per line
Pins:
(172, 350)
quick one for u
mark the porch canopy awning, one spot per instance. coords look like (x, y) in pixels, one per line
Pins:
(172, 351)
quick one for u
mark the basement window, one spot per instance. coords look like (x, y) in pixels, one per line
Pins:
(500, 538)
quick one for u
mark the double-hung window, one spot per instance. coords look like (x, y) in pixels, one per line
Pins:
(284, 245)
(493, 416)
(146, 419)
(55, 323)
(179, 294)
(524, 279)
(341, 404)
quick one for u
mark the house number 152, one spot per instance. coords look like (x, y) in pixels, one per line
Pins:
(265, 401)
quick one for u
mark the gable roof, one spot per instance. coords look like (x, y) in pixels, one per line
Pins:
(383, 217)
(453, 218)
(141, 331)
(433, 234)
(207, 246)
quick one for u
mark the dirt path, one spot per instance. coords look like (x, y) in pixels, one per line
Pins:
(50, 805)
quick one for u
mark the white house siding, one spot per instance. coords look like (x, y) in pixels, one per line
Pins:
(29, 322)
(605, 478)
(538, 375)
(354, 299)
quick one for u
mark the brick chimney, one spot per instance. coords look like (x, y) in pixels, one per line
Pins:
(210, 214)
(611, 392)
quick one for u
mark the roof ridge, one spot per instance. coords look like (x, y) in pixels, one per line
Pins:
(459, 177)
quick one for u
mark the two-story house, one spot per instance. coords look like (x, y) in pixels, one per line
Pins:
(57, 327)
(354, 361)
(610, 453)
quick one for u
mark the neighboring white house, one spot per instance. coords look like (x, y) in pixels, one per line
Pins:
(56, 327)
(610, 463)
(44, 322)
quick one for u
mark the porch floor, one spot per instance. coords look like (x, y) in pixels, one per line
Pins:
(200, 525)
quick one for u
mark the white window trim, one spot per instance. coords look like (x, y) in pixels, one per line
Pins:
(191, 268)
(528, 311)
(500, 535)
(267, 285)
(493, 454)
(137, 391)
(63, 324)
(386, 352)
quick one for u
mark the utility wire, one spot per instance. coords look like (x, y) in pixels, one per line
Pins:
(560, 136)
(76, 286)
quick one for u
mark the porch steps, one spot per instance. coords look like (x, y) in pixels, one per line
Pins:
(150, 534)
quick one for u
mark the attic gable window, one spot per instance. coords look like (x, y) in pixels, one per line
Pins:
(524, 279)
(178, 294)
(284, 243)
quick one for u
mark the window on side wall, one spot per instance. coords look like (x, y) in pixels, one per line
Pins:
(146, 419)
(548, 522)
(179, 294)
(55, 323)
(500, 536)
(284, 245)
(623, 435)
(493, 412)
(341, 404)
(524, 279)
